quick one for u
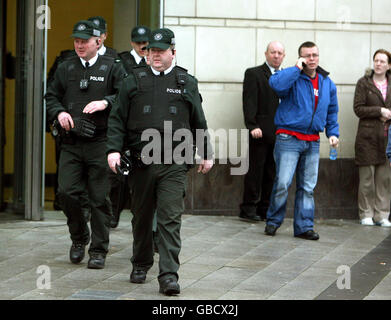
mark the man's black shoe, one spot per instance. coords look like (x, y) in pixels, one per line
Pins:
(169, 287)
(308, 235)
(261, 212)
(77, 252)
(249, 218)
(270, 230)
(138, 276)
(97, 261)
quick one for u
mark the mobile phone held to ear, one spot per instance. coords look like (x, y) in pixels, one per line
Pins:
(304, 65)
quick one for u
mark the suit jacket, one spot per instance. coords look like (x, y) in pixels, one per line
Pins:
(260, 102)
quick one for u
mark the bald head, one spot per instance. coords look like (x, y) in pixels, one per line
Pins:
(275, 54)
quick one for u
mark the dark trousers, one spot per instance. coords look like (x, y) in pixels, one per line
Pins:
(83, 167)
(83, 197)
(258, 182)
(119, 193)
(159, 188)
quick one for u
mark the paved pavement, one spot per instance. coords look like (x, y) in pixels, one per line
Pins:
(222, 258)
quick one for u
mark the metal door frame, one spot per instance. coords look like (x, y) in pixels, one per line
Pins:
(3, 22)
(29, 111)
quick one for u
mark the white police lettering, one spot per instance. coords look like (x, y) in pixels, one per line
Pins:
(177, 91)
(94, 78)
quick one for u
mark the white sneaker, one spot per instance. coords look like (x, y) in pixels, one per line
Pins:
(384, 223)
(367, 222)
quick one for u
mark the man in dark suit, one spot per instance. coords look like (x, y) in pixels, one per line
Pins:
(259, 107)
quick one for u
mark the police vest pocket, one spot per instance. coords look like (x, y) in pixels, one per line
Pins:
(147, 109)
(172, 110)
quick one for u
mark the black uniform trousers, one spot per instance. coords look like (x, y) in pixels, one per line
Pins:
(118, 194)
(258, 181)
(160, 188)
(83, 167)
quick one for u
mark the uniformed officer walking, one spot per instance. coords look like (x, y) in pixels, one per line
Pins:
(101, 25)
(138, 54)
(130, 59)
(80, 98)
(152, 98)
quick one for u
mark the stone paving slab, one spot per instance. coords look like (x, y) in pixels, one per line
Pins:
(222, 258)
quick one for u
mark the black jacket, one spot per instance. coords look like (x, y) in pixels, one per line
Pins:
(260, 102)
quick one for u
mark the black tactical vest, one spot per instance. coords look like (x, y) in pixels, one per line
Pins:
(128, 61)
(75, 99)
(159, 99)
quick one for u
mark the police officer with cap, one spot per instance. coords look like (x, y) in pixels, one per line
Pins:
(130, 59)
(80, 97)
(101, 25)
(139, 42)
(151, 98)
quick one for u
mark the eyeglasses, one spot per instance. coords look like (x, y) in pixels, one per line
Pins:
(314, 55)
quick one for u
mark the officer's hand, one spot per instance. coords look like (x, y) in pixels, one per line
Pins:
(205, 166)
(113, 159)
(300, 62)
(385, 113)
(65, 120)
(334, 141)
(256, 133)
(95, 106)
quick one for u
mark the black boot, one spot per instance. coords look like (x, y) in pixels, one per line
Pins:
(77, 252)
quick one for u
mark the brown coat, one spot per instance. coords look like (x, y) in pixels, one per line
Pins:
(371, 142)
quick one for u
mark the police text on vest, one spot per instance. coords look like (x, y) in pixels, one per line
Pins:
(95, 78)
(176, 91)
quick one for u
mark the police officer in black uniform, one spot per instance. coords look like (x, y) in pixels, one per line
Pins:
(138, 54)
(80, 98)
(130, 59)
(151, 98)
(101, 25)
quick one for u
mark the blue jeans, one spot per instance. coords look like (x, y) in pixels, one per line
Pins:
(292, 155)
